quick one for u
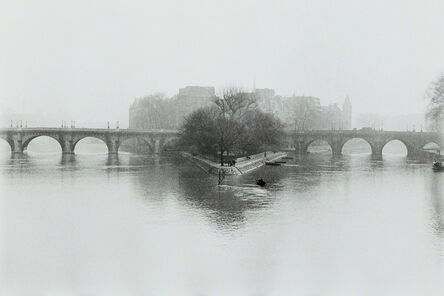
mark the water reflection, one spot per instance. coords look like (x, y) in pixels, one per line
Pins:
(144, 221)
(67, 159)
(224, 205)
(17, 159)
(435, 184)
(113, 160)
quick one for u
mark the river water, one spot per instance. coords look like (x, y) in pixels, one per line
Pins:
(90, 224)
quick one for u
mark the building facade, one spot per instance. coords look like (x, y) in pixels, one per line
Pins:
(305, 112)
(296, 112)
(347, 113)
(159, 112)
(191, 98)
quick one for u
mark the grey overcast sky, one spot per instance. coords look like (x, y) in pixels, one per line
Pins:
(90, 59)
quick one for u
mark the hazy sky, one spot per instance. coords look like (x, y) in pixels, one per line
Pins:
(90, 59)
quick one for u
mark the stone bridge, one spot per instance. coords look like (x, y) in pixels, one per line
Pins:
(413, 141)
(19, 138)
(156, 140)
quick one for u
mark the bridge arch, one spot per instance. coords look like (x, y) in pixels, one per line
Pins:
(431, 145)
(80, 143)
(28, 140)
(409, 147)
(361, 139)
(78, 140)
(4, 144)
(147, 142)
(155, 143)
(318, 140)
(169, 141)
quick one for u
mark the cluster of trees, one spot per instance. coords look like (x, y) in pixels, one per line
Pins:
(154, 111)
(233, 124)
(306, 114)
(435, 113)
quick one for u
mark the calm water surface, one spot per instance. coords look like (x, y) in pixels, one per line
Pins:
(90, 224)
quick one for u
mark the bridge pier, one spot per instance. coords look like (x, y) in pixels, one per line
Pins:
(336, 149)
(299, 148)
(376, 147)
(15, 141)
(16, 146)
(67, 146)
(156, 147)
(377, 153)
(113, 144)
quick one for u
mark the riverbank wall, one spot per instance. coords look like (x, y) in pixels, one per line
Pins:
(243, 164)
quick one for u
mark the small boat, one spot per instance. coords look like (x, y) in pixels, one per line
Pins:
(280, 161)
(272, 163)
(438, 166)
(260, 182)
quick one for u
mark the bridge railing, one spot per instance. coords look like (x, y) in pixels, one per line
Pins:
(355, 131)
(66, 129)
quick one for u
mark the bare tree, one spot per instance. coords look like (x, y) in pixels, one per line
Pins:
(435, 95)
(234, 104)
(306, 115)
(234, 123)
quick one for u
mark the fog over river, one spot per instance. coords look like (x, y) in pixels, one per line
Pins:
(91, 224)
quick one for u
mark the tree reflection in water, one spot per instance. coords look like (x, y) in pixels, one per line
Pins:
(435, 186)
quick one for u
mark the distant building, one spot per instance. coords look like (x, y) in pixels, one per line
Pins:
(159, 112)
(191, 98)
(347, 113)
(300, 112)
(266, 99)
(296, 112)
(331, 117)
(306, 112)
